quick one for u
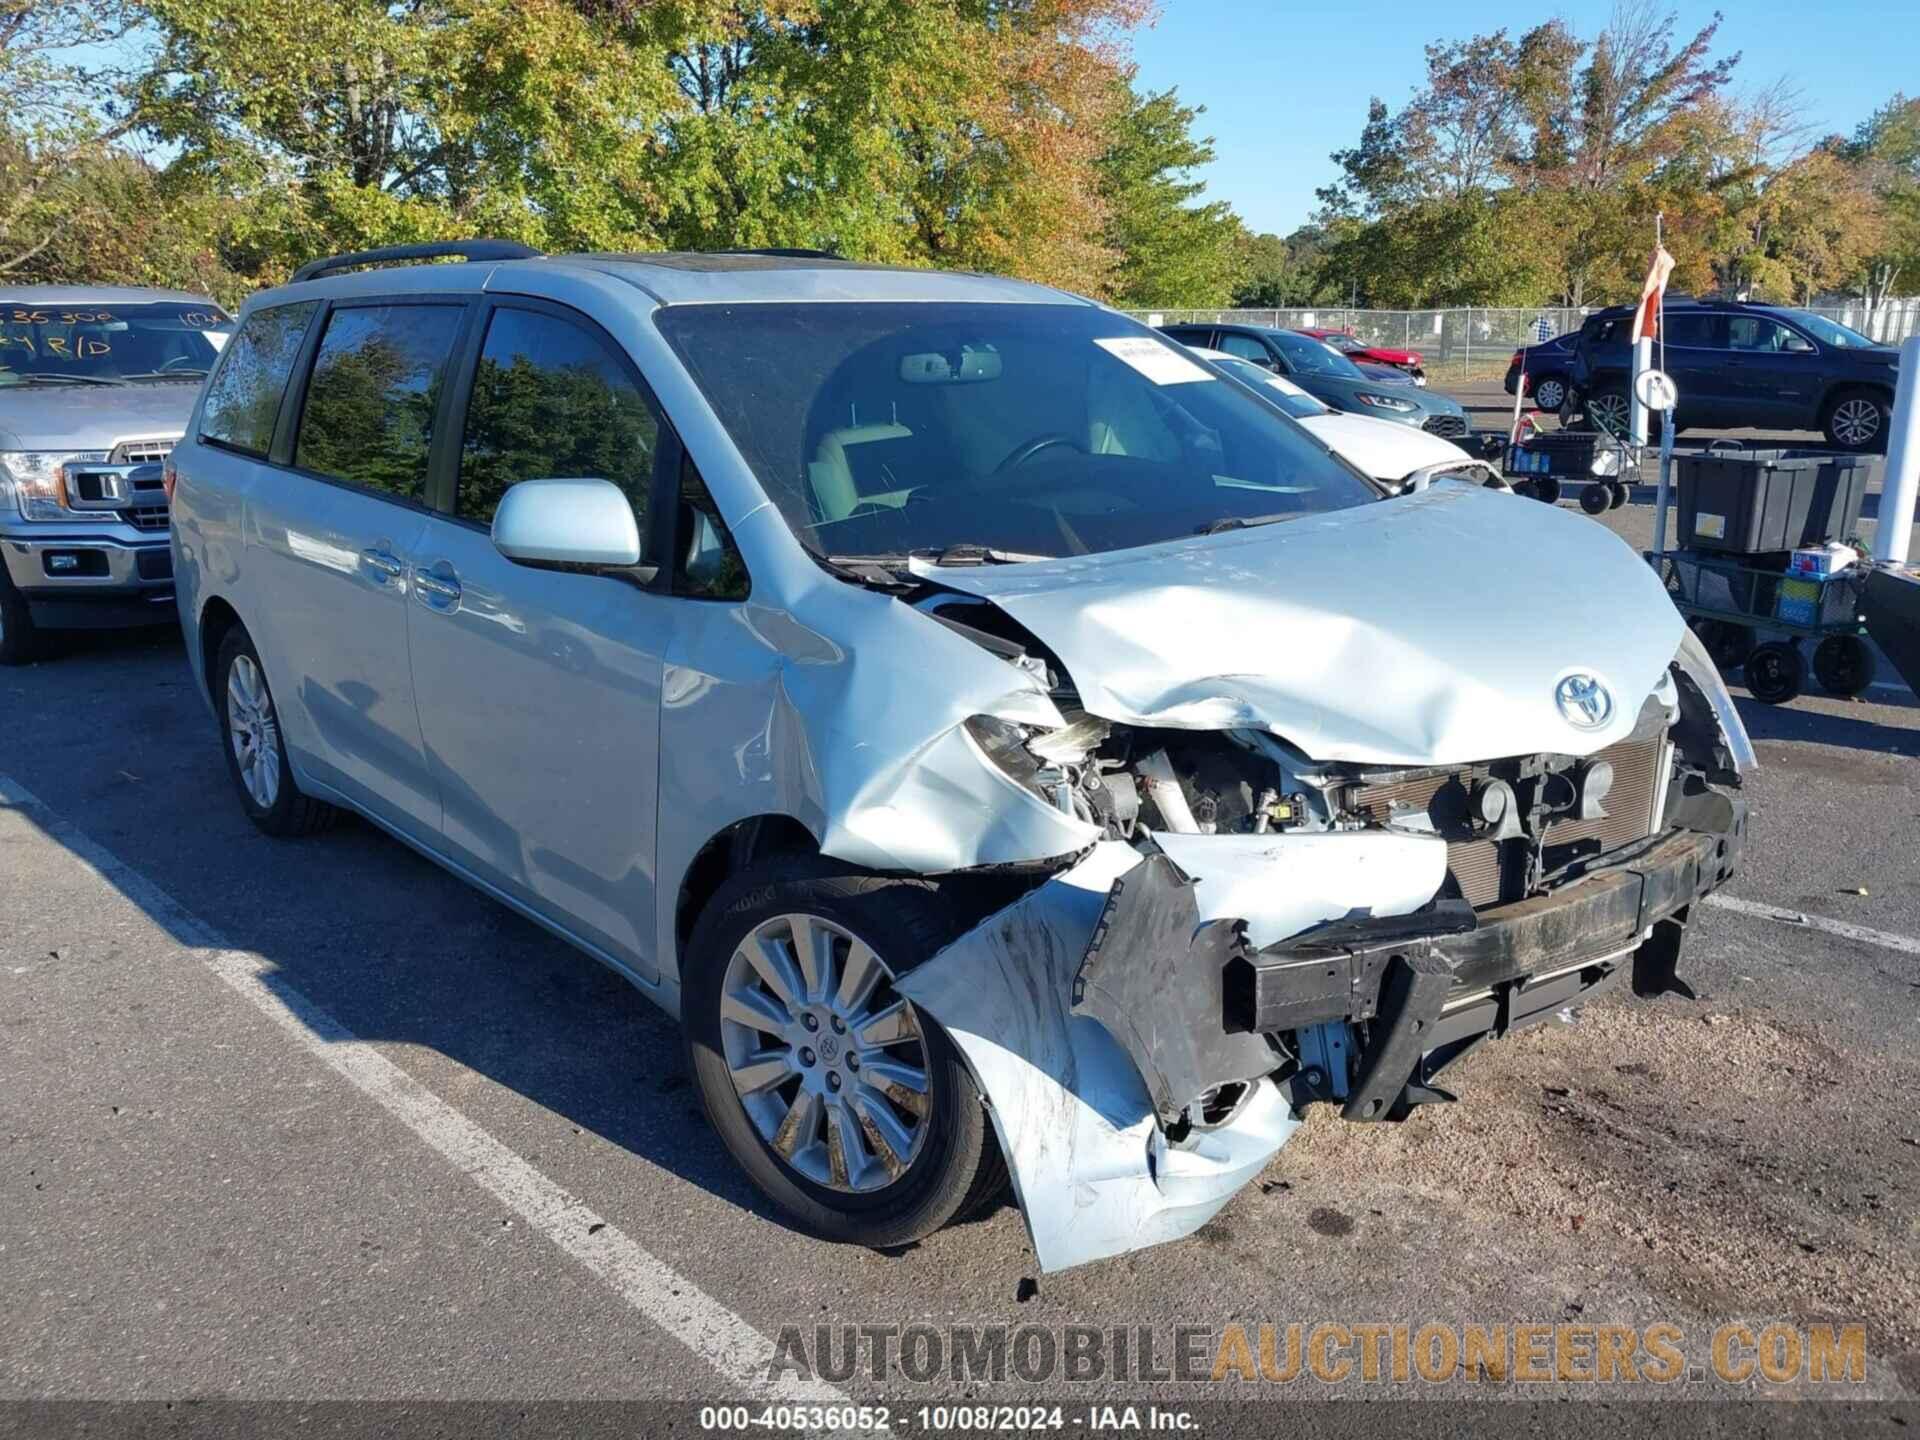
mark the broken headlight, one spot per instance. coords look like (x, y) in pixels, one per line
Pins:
(1050, 764)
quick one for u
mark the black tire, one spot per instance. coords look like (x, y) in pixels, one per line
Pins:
(1844, 666)
(1727, 643)
(1622, 492)
(1775, 672)
(21, 642)
(1547, 489)
(1858, 420)
(1610, 410)
(1524, 488)
(958, 1170)
(291, 813)
(1596, 499)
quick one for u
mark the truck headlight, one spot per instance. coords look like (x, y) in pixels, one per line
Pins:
(1382, 402)
(39, 486)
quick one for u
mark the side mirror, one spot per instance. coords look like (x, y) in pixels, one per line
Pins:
(567, 525)
(1796, 345)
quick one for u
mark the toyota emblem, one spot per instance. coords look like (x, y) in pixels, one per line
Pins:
(1584, 701)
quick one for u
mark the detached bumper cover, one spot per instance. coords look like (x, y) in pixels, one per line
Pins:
(1103, 1003)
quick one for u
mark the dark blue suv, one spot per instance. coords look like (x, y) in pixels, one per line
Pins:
(1737, 364)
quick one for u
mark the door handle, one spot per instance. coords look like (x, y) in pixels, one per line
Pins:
(382, 562)
(438, 589)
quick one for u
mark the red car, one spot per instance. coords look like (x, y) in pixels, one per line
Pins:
(1354, 348)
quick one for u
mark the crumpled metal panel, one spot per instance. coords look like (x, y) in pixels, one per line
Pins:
(1347, 634)
(1094, 1173)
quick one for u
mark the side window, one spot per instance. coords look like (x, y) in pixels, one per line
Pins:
(1247, 348)
(243, 398)
(1756, 332)
(708, 566)
(552, 400)
(1698, 332)
(371, 401)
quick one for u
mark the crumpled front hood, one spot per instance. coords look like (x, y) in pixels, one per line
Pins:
(92, 417)
(1432, 629)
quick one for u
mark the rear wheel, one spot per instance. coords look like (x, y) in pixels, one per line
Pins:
(20, 641)
(1547, 488)
(1596, 498)
(1844, 666)
(1775, 672)
(256, 752)
(1550, 392)
(1858, 420)
(850, 1109)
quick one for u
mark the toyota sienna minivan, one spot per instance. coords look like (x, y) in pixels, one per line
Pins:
(1015, 751)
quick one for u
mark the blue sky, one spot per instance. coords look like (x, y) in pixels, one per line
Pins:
(1285, 83)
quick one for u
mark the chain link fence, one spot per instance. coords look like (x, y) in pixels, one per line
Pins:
(1475, 342)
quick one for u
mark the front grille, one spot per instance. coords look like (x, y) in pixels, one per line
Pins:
(1447, 427)
(153, 518)
(143, 452)
(1490, 872)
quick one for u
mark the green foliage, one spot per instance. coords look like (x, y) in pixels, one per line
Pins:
(1172, 251)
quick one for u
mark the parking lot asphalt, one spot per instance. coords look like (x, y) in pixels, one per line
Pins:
(312, 1120)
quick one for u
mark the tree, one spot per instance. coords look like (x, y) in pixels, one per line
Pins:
(1171, 250)
(1885, 154)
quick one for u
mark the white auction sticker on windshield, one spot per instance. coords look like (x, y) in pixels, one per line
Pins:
(1161, 364)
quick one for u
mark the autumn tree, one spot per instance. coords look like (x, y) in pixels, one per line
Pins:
(1171, 249)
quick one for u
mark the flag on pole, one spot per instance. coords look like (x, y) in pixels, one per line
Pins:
(1646, 319)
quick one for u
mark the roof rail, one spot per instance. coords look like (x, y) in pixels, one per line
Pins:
(785, 252)
(465, 249)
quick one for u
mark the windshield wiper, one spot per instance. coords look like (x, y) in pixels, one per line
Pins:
(178, 373)
(27, 377)
(1247, 522)
(966, 552)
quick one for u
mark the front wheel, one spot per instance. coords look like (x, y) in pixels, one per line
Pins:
(19, 639)
(847, 1107)
(1858, 420)
(1550, 393)
(1775, 672)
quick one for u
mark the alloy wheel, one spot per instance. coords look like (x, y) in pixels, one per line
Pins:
(1549, 395)
(1610, 411)
(254, 731)
(828, 1062)
(1856, 422)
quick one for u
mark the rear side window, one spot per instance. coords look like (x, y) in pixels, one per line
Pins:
(1247, 348)
(375, 388)
(1698, 331)
(552, 400)
(243, 399)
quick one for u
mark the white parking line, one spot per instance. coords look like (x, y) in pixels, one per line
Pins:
(708, 1328)
(1847, 931)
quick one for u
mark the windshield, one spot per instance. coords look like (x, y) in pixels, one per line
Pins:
(1345, 344)
(1828, 333)
(108, 343)
(1274, 390)
(883, 429)
(1311, 357)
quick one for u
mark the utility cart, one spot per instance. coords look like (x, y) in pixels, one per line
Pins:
(1758, 573)
(1540, 464)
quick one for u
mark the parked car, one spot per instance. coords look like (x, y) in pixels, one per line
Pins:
(1742, 365)
(1548, 367)
(1005, 742)
(1386, 451)
(1360, 352)
(95, 386)
(1328, 375)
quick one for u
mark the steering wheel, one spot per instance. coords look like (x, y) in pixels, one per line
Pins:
(1027, 450)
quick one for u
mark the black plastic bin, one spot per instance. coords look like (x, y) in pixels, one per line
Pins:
(1563, 454)
(1751, 502)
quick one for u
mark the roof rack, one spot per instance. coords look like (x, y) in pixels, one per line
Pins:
(785, 252)
(464, 249)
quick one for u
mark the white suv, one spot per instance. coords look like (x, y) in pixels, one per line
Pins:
(1007, 744)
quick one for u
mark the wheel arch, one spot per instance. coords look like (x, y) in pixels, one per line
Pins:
(724, 853)
(217, 620)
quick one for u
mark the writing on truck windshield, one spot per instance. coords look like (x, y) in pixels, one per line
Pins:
(109, 344)
(884, 429)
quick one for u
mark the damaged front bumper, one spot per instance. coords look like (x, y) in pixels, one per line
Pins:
(1144, 1061)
